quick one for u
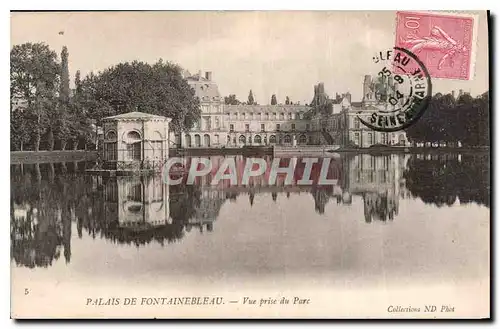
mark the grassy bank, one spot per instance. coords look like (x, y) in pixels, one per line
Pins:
(51, 156)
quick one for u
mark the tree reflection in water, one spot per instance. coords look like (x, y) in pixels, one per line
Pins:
(46, 199)
(445, 179)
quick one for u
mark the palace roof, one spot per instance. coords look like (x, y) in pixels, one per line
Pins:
(266, 108)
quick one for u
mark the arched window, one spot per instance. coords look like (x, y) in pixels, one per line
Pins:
(188, 140)
(157, 146)
(257, 139)
(272, 139)
(288, 139)
(197, 140)
(302, 139)
(110, 146)
(206, 140)
(401, 139)
(134, 145)
(111, 135)
(242, 139)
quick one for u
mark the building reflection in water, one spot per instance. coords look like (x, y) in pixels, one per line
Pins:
(379, 181)
(47, 198)
(137, 203)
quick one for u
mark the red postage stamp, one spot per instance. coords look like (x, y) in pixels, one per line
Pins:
(443, 42)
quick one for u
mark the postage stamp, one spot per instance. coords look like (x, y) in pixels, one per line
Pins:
(443, 42)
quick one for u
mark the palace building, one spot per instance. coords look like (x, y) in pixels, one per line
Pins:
(267, 125)
(327, 121)
(210, 130)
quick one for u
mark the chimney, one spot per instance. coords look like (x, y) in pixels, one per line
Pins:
(453, 94)
(208, 76)
(348, 96)
(199, 75)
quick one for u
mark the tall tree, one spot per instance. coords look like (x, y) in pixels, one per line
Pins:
(273, 100)
(80, 129)
(137, 86)
(64, 86)
(34, 77)
(60, 118)
(251, 100)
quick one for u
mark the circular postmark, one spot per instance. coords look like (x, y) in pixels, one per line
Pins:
(400, 93)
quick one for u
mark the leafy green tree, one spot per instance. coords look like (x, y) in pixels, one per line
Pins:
(137, 86)
(34, 78)
(273, 100)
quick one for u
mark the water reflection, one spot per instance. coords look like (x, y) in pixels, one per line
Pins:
(48, 199)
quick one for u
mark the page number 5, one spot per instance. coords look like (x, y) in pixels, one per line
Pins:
(26, 291)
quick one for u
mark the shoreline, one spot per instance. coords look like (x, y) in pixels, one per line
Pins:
(26, 157)
(17, 157)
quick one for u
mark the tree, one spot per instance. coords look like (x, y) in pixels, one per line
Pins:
(64, 86)
(448, 120)
(19, 130)
(79, 128)
(273, 100)
(287, 101)
(137, 86)
(34, 77)
(251, 100)
(231, 100)
(61, 119)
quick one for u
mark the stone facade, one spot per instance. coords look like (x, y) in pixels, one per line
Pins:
(267, 125)
(210, 130)
(342, 123)
(135, 140)
(233, 126)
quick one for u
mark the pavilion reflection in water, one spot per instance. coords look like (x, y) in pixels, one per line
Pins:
(137, 202)
(141, 203)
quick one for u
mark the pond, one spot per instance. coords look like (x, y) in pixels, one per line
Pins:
(395, 219)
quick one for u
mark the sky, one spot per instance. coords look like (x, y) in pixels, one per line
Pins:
(271, 52)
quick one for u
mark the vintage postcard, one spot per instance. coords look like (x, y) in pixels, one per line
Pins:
(250, 164)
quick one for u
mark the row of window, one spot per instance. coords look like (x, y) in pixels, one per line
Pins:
(133, 150)
(263, 127)
(257, 139)
(384, 138)
(266, 116)
(242, 139)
